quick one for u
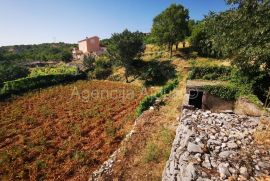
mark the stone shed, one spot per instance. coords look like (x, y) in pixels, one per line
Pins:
(197, 97)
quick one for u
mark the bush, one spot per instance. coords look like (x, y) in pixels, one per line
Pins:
(88, 62)
(62, 69)
(157, 73)
(29, 83)
(232, 92)
(224, 91)
(102, 69)
(150, 100)
(210, 72)
(11, 72)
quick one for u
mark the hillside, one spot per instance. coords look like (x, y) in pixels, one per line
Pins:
(40, 52)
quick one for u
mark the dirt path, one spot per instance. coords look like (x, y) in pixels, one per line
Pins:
(145, 155)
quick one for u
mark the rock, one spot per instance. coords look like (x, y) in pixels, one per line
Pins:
(257, 167)
(210, 141)
(213, 162)
(203, 179)
(193, 148)
(151, 108)
(225, 154)
(263, 164)
(223, 170)
(223, 145)
(232, 145)
(244, 172)
(232, 170)
(213, 142)
(206, 163)
(198, 157)
(197, 140)
(189, 173)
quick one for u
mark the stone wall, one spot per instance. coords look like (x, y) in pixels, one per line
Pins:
(216, 146)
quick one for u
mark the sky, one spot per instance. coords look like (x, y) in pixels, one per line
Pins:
(47, 21)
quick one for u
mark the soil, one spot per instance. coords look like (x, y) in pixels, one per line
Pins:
(64, 132)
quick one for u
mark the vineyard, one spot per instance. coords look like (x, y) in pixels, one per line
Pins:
(64, 132)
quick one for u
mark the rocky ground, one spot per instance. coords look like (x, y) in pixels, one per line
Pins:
(216, 146)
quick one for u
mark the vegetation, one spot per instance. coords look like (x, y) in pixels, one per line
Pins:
(43, 52)
(102, 68)
(224, 91)
(126, 47)
(155, 72)
(171, 26)
(150, 100)
(232, 91)
(63, 125)
(88, 62)
(60, 69)
(29, 83)
(241, 33)
(11, 72)
(210, 72)
(201, 41)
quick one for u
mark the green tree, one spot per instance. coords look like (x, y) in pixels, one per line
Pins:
(202, 42)
(11, 72)
(88, 62)
(243, 34)
(171, 26)
(126, 47)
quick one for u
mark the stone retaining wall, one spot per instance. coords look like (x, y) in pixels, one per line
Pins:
(216, 146)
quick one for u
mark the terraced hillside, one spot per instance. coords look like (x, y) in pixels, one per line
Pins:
(64, 132)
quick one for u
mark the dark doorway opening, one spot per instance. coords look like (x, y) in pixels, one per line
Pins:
(195, 99)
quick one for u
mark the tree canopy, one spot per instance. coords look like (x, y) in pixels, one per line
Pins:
(242, 34)
(41, 52)
(171, 26)
(126, 47)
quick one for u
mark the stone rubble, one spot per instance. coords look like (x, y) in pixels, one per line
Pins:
(216, 146)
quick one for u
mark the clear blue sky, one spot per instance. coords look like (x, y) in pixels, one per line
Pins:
(41, 21)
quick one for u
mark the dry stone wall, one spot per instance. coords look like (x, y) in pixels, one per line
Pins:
(216, 146)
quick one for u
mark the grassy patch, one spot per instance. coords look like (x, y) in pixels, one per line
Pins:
(151, 153)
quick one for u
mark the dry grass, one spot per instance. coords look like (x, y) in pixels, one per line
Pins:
(201, 61)
(145, 155)
(262, 134)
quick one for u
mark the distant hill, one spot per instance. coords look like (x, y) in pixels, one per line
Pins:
(40, 52)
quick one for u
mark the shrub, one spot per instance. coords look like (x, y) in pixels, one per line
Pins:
(232, 92)
(210, 72)
(29, 83)
(145, 104)
(152, 152)
(88, 62)
(224, 91)
(102, 69)
(157, 73)
(62, 69)
(150, 100)
(11, 72)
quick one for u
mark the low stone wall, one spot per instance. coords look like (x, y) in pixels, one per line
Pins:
(216, 146)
